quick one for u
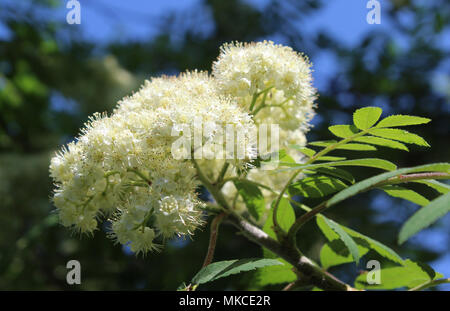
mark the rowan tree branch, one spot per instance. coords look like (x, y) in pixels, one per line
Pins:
(309, 270)
(391, 181)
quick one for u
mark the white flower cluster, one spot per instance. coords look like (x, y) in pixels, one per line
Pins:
(281, 81)
(243, 70)
(122, 166)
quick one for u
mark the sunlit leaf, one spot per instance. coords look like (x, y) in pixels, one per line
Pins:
(226, 268)
(343, 236)
(285, 217)
(306, 151)
(316, 186)
(406, 194)
(336, 172)
(438, 186)
(369, 162)
(400, 135)
(360, 239)
(381, 142)
(252, 196)
(366, 117)
(425, 216)
(409, 275)
(343, 131)
(335, 253)
(372, 181)
(401, 120)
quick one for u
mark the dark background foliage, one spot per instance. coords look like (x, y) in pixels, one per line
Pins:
(53, 75)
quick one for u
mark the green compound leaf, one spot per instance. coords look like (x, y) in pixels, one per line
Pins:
(372, 181)
(323, 143)
(335, 253)
(349, 146)
(406, 194)
(424, 217)
(400, 135)
(280, 273)
(272, 275)
(401, 120)
(226, 268)
(284, 157)
(329, 158)
(381, 142)
(360, 239)
(277, 274)
(369, 162)
(335, 172)
(280, 156)
(410, 275)
(306, 151)
(343, 131)
(365, 118)
(316, 186)
(345, 238)
(357, 147)
(252, 196)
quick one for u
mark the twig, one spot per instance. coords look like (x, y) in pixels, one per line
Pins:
(430, 284)
(312, 273)
(222, 173)
(291, 286)
(213, 238)
(218, 196)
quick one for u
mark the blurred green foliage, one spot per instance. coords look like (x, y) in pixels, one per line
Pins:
(51, 80)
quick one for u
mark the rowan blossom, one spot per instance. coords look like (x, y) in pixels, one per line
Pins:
(273, 83)
(122, 166)
(132, 167)
(243, 70)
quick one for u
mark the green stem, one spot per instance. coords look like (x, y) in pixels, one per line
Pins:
(252, 104)
(222, 173)
(258, 109)
(85, 204)
(413, 177)
(218, 196)
(140, 174)
(263, 105)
